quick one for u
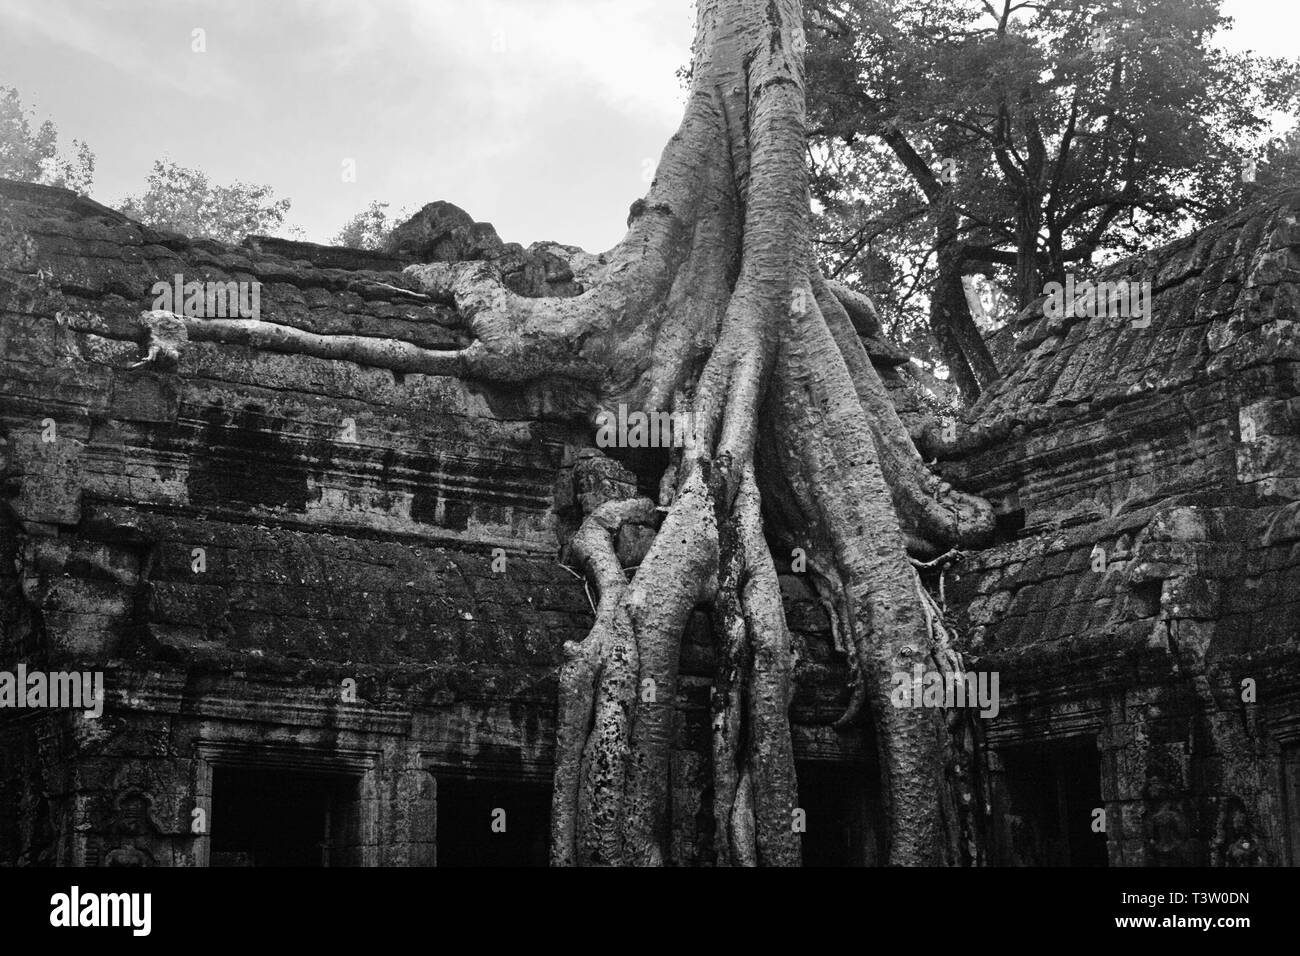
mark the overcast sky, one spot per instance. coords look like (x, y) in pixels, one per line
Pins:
(539, 116)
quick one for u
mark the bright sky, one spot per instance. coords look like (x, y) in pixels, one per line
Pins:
(539, 116)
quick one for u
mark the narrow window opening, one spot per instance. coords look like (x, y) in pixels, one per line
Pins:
(267, 816)
(842, 814)
(492, 822)
(1052, 798)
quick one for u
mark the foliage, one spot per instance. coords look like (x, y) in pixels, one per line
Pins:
(368, 229)
(186, 201)
(1066, 133)
(32, 155)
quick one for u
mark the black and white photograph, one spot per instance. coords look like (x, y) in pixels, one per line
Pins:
(692, 434)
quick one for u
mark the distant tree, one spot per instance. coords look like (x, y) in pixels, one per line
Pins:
(368, 229)
(32, 155)
(186, 201)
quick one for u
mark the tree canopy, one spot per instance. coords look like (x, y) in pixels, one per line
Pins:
(1024, 139)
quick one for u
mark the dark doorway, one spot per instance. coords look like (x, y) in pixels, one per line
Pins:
(266, 816)
(468, 809)
(842, 813)
(1050, 793)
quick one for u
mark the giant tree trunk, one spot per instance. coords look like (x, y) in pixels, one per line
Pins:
(720, 310)
(713, 306)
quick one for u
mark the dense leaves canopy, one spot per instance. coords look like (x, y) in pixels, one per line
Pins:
(1066, 133)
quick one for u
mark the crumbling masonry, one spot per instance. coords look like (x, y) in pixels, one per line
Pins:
(329, 600)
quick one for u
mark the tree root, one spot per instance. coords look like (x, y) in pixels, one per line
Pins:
(167, 333)
(606, 646)
(755, 792)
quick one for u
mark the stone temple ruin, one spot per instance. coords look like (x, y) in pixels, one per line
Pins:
(328, 604)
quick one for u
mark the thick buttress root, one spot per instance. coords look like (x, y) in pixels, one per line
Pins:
(712, 306)
(604, 654)
(755, 792)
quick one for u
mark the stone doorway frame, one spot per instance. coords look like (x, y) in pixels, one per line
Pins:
(362, 765)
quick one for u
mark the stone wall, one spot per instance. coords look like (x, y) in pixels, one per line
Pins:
(232, 541)
(1145, 598)
(286, 562)
(348, 580)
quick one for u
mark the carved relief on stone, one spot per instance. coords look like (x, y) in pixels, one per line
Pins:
(135, 836)
(1236, 842)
